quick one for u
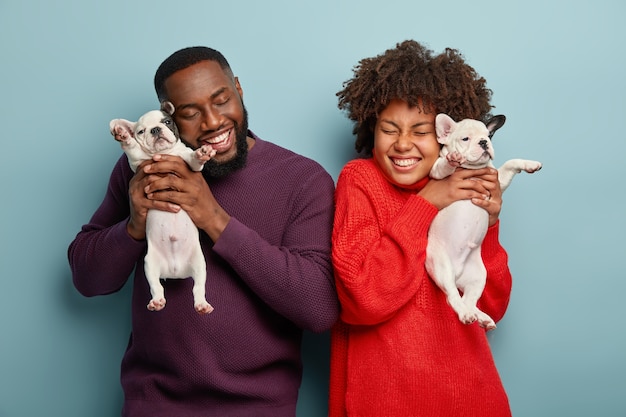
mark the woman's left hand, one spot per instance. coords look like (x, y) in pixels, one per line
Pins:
(493, 201)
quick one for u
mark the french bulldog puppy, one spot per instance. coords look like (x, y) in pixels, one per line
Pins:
(453, 258)
(173, 239)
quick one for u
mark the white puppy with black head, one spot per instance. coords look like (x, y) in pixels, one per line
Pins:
(173, 239)
(453, 258)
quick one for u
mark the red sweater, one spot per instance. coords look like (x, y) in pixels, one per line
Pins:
(399, 349)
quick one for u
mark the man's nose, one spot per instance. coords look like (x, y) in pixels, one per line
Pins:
(212, 120)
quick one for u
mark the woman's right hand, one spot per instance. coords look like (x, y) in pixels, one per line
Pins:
(463, 184)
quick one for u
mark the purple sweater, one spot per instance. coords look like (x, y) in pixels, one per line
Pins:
(268, 276)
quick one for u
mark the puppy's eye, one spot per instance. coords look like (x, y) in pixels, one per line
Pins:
(167, 122)
(141, 132)
(465, 139)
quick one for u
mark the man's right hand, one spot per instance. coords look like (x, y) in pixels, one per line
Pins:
(140, 204)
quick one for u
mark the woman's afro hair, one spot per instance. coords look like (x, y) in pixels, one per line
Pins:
(411, 72)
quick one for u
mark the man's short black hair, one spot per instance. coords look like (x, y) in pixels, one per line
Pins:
(182, 59)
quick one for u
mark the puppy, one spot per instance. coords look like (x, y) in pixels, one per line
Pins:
(453, 258)
(173, 240)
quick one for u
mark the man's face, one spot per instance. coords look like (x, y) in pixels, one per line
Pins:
(209, 110)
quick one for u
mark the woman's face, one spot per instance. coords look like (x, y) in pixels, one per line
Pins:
(405, 143)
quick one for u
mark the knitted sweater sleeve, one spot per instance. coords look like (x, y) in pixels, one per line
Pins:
(294, 277)
(102, 255)
(378, 251)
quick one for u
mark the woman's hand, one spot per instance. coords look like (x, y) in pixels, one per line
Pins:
(479, 185)
(493, 203)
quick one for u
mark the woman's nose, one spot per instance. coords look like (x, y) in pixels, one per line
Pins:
(403, 143)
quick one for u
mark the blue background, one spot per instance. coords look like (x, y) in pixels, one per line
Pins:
(557, 69)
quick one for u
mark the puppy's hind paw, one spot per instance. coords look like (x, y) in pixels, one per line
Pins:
(203, 307)
(468, 317)
(156, 305)
(485, 321)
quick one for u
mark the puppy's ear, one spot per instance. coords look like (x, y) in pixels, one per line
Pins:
(495, 123)
(167, 107)
(116, 124)
(444, 125)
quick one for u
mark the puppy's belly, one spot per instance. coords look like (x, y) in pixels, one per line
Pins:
(459, 228)
(173, 242)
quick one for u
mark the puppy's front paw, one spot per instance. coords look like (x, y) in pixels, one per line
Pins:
(156, 305)
(532, 166)
(120, 134)
(455, 159)
(205, 152)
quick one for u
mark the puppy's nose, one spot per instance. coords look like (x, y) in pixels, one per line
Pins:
(155, 130)
(483, 144)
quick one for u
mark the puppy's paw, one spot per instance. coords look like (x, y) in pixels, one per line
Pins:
(203, 307)
(485, 321)
(156, 305)
(468, 317)
(455, 159)
(532, 166)
(120, 134)
(205, 152)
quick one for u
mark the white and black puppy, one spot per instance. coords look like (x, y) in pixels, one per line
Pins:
(173, 239)
(453, 258)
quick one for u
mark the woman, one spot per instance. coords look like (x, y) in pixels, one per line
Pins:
(399, 349)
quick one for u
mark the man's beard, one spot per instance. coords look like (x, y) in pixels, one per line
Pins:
(214, 169)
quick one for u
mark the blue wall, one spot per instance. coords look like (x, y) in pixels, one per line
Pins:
(557, 69)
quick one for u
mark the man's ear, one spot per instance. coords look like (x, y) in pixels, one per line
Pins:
(238, 87)
(444, 125)
(495, 123)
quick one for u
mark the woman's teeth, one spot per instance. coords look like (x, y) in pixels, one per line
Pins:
(405, 162)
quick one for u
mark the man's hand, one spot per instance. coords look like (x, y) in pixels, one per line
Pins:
(140, 204)
(170, 185)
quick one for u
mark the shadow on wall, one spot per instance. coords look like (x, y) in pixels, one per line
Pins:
(313, 396)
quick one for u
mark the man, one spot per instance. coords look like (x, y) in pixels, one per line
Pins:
(265, 219)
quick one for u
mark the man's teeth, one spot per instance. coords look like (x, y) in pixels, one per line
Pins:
(405, 162)
(220, 138)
